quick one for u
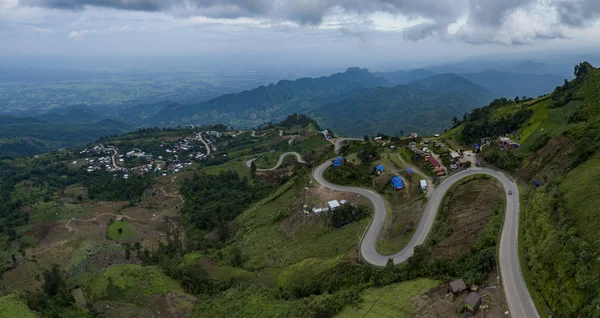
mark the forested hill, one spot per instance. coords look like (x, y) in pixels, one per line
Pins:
(268, 103)
(558, 149)
(454, 85)
(394, 110)
(29, 135)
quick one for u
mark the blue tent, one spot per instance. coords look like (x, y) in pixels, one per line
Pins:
(397, 183)
(476, 146)
(339, 158)
(516, 146)
(537, 183)
(337, 164)
(379, 168)
(410, 172)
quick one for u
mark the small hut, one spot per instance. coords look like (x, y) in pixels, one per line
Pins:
(472, 302)
(458, 286)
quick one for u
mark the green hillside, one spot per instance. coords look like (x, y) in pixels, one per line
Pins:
(558, 136)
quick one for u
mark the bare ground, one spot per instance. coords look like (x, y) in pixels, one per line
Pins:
(471, 206)
(439, 303)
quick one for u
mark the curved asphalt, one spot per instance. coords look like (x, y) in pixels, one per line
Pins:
(279, 162)
(517, 296)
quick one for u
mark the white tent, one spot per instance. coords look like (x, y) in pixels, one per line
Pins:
(334, 204)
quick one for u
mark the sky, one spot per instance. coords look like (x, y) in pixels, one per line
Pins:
(320, 33)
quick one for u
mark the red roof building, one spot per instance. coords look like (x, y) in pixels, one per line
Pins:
(434, 163)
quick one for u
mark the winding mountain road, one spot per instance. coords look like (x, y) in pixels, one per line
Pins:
(517, 296)
(279, 162)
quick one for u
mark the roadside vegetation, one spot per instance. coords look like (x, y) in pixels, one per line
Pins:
(558, 150)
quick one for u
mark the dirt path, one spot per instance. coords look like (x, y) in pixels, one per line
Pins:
(70, 228)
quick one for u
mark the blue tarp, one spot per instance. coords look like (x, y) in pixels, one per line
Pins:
(337, 164)
(397, 182)
(379, 168)
(410, 171)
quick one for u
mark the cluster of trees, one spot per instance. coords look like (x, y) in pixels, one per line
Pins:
(350, 174)
(298, 120)
(211, 201)
(505, 160)
(481, 123)
(560, 263)
(106, 187)
(347, 214)
(54, 299)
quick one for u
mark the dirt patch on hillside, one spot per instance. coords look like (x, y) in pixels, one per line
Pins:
(549, 162)
(438, 303)
(399, 229)
(173, 305)
(471, 206)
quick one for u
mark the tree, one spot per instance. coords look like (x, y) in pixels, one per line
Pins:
(236, 257)
(366, 138)
(401, 132)
(127, 252)
(120, 231)
(253, 169)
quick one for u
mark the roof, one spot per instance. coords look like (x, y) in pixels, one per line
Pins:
(397, 182)
(423, 184)
(334, 204)
(379, 168)
(457, 285)
(473, 300)
(454, 155)
(432, 161)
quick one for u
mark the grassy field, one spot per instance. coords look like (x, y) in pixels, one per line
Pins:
(582, 198)
(544, 120)
(236, 165)
(266, 243)
(112, 232)
(390, 301)
(130, 282)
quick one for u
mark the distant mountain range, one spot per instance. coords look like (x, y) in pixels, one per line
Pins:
(355, 102)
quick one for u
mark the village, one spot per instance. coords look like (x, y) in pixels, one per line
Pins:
(168, 157)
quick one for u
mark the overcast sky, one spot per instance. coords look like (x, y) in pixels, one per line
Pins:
(297, 32)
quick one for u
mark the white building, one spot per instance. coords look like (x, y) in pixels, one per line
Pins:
(423, 185)
(334, 204)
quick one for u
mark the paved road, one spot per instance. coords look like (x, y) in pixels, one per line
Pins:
(279, 162)
(204, 142)
(338, 142)
(517, 296)
(114, 150)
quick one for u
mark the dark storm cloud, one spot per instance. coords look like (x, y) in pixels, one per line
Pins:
(141, 5)
(437, 14)
(578, 13)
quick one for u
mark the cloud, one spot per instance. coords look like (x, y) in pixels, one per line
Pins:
(578, 13)
(482, 21)
(78, 35)
(423, 30)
